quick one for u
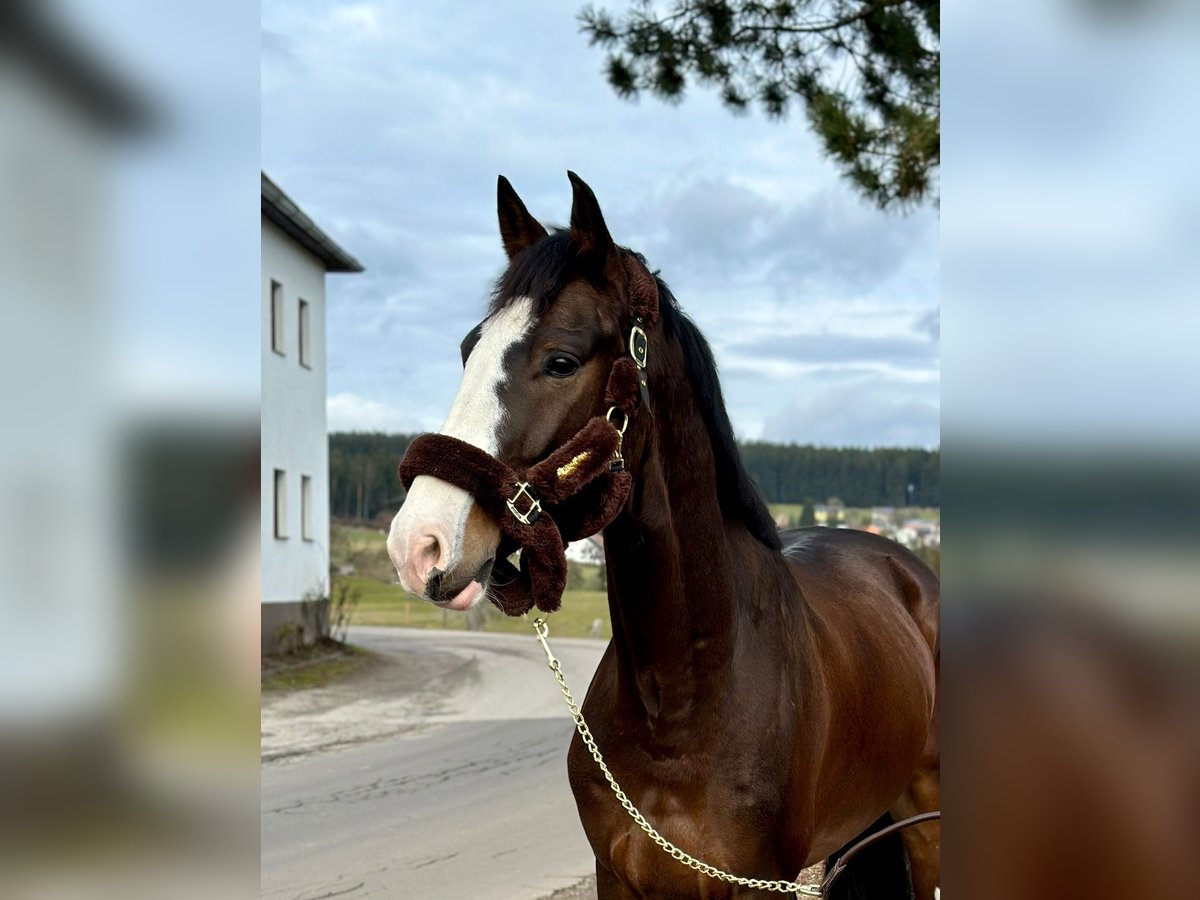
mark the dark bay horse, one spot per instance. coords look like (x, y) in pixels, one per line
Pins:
(766, 697)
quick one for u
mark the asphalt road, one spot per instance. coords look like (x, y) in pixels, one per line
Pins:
(440, 773)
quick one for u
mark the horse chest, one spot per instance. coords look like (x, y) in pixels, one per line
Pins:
(645, 867)
(720, 815)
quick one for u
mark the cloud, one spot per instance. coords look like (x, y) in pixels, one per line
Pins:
(349, 412)
(930, 324)
(273, 42)
(389, 123)
(359, 18)
(861, 412)
(896, 350)
(820, 241)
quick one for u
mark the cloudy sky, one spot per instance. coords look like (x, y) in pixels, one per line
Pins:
(388, 122)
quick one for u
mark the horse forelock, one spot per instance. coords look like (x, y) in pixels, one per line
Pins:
(543, 269)
(539, 272)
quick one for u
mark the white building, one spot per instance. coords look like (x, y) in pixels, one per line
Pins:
(65, 117)
(296, 254)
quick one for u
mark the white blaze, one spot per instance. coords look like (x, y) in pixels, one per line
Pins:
(475, 417)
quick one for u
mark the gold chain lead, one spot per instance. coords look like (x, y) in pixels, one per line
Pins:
(542, 630)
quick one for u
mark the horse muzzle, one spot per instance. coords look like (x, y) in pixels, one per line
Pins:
(443, 544)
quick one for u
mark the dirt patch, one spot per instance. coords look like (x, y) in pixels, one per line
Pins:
(381, 696)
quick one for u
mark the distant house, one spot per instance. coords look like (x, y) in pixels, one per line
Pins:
(296, 255)
(883, 516)
(588, 550)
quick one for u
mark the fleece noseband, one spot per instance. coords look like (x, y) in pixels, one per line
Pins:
(571, 494)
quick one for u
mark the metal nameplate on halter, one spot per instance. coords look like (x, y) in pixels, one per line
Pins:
(639, 346)
(534, 512)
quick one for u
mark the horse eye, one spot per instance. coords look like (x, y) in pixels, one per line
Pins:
(560, 366)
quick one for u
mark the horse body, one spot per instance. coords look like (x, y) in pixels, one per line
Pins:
(761, 704)
(762, 707)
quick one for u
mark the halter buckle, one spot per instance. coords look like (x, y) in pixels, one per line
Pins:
(639, 345)
(534, 512)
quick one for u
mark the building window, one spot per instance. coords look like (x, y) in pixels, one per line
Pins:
(305, 358)
(277, 317)
(280, 503)
(306, 517)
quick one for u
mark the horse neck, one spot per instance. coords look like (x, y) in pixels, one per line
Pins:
(674, 590)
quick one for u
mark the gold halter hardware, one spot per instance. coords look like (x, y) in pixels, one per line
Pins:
(533, 513)
(639, 352)
(639, 345)
(618, 461)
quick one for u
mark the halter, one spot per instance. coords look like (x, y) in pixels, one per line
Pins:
(590, 467)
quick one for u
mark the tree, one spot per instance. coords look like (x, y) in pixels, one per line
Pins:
(866, 71)
(808, 517)
(363, 480)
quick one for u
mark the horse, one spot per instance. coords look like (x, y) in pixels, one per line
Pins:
(766, 697)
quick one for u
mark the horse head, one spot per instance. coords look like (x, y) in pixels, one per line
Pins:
(535, 371)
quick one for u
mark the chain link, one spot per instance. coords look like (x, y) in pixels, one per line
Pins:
(542, 630)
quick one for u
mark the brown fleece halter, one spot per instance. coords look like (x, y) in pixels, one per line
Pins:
(590, 460)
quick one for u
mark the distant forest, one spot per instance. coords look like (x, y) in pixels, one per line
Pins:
(363, 482)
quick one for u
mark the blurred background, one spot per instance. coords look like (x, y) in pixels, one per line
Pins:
(128, 467)
(1070, 428)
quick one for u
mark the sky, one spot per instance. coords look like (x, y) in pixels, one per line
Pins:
(389, 122)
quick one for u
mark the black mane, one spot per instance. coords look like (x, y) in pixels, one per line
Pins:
(735, 491)
(542, 270)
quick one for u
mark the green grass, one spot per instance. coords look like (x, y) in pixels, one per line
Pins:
(316, 667)
(383, 602)
(361, 538)
(791, 510)
(854, 516)
(388, 604)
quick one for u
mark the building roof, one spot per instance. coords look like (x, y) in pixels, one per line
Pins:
(283, 211)
(70, 66)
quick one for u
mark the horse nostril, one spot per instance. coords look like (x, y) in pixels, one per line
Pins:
(433, 584)
(426, 554)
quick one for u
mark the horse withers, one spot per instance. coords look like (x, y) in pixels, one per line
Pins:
(766, 698)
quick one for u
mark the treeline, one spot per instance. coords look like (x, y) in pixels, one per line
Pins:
(888, 476)
(363, 483)
(362, 474)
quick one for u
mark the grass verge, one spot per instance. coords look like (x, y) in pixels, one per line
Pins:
(388, 604)
(380, 601)
(313, 667)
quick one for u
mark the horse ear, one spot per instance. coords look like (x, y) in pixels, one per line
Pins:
(588, 231)
(518, 229)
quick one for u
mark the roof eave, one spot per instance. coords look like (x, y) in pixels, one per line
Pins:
(280, 209)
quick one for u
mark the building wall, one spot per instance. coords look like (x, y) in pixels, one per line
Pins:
(63, 617)
(293, 434)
